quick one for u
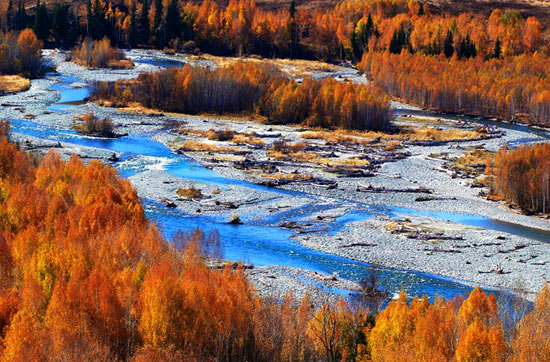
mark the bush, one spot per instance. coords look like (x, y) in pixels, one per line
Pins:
(100, 54)
(190, 193)
(20, 54)
(91, 125)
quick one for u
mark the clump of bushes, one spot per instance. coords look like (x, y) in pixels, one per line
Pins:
(100, 54)
(255, 88)
(225, 135)
(91, 125)
(20, 54)
(190, 193)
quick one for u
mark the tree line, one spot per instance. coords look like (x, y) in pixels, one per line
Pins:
(510, 88)
(522, 177)
(85, 276)
(346, 31)
(254, 87)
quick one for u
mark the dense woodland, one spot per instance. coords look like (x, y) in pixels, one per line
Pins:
(254, 87)
(343, 32)
(522, 177)
(515, 87)
(84, 276)
(471, 63)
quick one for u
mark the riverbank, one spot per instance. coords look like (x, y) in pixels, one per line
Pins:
(333, 195)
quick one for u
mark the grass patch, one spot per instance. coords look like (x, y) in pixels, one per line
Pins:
(197, 146)
(392, 141)
(314, 158)
(473, 163)
(190, 193)
(14, 83)
(293, 176)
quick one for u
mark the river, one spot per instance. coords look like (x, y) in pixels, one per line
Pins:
(259, 242)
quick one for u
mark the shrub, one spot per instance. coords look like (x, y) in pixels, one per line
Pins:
(20, 54)
(190, 193)
(100, 54)
(91, 125)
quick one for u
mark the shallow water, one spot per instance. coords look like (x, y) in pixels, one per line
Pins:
(259, 241)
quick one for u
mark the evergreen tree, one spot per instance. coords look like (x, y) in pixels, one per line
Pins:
(497, 51)
(10, 17)
(41, 22)
(361, 35)
(292, 29)
(89, 17)
(21, 19)
(395, 47)
(421, 10)
(399, 40)
(292, 9)
(60, 23)
(96, 20)
(157, 23)
(187, 22)
(448, 47)
(144, 22)
(173, 21)
(133, 30)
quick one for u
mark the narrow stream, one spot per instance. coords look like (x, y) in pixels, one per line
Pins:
(259, 242)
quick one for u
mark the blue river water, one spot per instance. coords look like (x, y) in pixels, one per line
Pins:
(259, 241)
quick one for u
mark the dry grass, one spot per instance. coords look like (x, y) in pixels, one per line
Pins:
(225, 135)
(250, 139)
(120, 64)
(14, 83)
(294, 176)
(473, 163)
(314, 158)
(196, 146)
(345, 136)
(475, 158)
(405, 134)
(190, 193)
(435, 134)
(293, 67)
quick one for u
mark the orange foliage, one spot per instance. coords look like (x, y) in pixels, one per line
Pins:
(84, 276)
(437, 332)
(260, 87)
(514, 87)
(522, 176)
(20, 53)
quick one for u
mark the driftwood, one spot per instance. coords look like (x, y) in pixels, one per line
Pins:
(383, 189)
(350, 172)
(436, 236)
(437, 250)
(357, 244)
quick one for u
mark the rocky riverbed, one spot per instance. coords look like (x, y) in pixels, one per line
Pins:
(371, 198)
